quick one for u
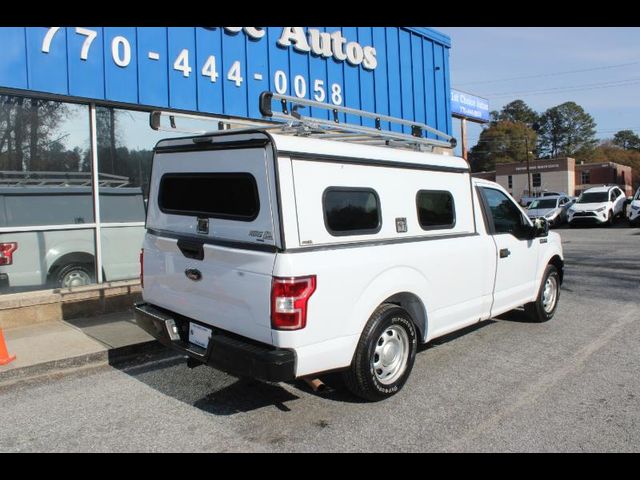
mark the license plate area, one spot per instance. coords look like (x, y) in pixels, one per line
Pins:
(199, 335)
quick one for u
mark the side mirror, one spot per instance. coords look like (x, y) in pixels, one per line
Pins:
(540, 227)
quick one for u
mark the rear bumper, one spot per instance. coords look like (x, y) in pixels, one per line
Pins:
(230, 353)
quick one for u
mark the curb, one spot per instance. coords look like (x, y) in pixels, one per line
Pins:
(114, 356)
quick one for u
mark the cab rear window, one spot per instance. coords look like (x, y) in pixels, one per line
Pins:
(231, 196)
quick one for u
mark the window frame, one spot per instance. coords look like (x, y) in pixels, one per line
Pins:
(203, 214)
(488, 215)
(351, 233)
(533, 181)
(438, 227)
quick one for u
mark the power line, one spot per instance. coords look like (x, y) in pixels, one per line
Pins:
(585, 86)
(566, 72)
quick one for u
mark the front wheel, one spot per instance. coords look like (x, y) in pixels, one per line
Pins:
(384, 356)
(544, 306)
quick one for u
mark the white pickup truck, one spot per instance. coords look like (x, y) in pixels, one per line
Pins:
(280, 256)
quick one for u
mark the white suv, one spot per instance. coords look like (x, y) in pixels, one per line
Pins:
(599, 205)
(633, 212)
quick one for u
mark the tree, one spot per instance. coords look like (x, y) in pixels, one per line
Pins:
(627, 140)
(503, 142)
(566, 130)
(608, 151)
(518, 111)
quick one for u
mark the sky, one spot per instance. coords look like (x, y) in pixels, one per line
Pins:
(485, 60)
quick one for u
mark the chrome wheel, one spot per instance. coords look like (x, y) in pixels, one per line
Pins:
(550, 294)
(390, 356)
(76, 278)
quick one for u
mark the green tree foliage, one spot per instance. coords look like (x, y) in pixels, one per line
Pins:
(627, 140)
(503, 142)
(518, 111)
(566, 130)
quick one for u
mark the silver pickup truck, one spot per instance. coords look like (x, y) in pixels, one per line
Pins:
(50, 258)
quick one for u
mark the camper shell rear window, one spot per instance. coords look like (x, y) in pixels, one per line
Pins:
(230, 196)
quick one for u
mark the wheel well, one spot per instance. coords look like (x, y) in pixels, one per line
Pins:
(412, 304)
(557, 262)
(75, 257)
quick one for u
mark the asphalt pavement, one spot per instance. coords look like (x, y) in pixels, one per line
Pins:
(505, 385)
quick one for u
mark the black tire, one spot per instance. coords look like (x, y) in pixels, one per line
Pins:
(74, 274)
(536, 309)
(361, 377)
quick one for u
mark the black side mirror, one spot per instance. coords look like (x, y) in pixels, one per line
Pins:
(540, 227)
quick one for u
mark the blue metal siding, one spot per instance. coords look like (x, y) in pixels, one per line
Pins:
(411, 79)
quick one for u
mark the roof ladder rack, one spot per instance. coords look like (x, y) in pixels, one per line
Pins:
(350, 132)
(290, 121)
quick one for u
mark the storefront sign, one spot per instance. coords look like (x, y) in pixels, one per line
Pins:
(469, 106)
(397, 71)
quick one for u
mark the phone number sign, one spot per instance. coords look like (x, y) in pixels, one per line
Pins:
(396, 71)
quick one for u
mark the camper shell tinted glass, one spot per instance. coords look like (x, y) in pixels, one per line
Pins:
(436, 209)
(231, 196)
(351, 211)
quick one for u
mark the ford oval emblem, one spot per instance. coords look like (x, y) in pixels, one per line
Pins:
(193, 274)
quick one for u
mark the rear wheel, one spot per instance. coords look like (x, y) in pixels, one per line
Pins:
(75, 275)
(384, 356)
(543, 308)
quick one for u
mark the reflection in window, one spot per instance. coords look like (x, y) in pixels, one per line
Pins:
(45, 163)
(351, 211)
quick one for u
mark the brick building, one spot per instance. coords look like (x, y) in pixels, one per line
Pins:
(559, 175)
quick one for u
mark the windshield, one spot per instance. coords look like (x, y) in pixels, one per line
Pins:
(593, 197)
(545, 203)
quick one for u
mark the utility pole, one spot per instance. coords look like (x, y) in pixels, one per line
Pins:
(526, 146)
(463, 134)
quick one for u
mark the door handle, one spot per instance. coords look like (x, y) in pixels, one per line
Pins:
(504, 252)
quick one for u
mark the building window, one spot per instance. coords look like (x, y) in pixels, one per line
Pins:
(351, 211)
(45, 183)
(510, 181)
(536, 179)
(585, 177)
(436, 209)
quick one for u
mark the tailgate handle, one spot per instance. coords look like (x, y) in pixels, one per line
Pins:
(191, 249)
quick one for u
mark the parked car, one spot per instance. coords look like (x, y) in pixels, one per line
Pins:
(52, 258)
(633, 210)
(278, 256)
(526, 200)
(599, 205)
(553, 209)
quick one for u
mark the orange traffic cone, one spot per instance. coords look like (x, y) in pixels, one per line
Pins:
(4, 354)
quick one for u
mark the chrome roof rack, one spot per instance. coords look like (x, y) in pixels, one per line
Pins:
(290, 121)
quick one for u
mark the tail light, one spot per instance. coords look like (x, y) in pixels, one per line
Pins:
(6, 252)
(289, 297)
(142, 267)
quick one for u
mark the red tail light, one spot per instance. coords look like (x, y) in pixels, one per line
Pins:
(289, 297)
(6, 252)
(142, 267)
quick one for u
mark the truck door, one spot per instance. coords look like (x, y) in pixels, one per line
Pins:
(517, 255)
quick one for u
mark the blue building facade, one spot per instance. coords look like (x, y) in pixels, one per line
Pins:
(74, 104)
